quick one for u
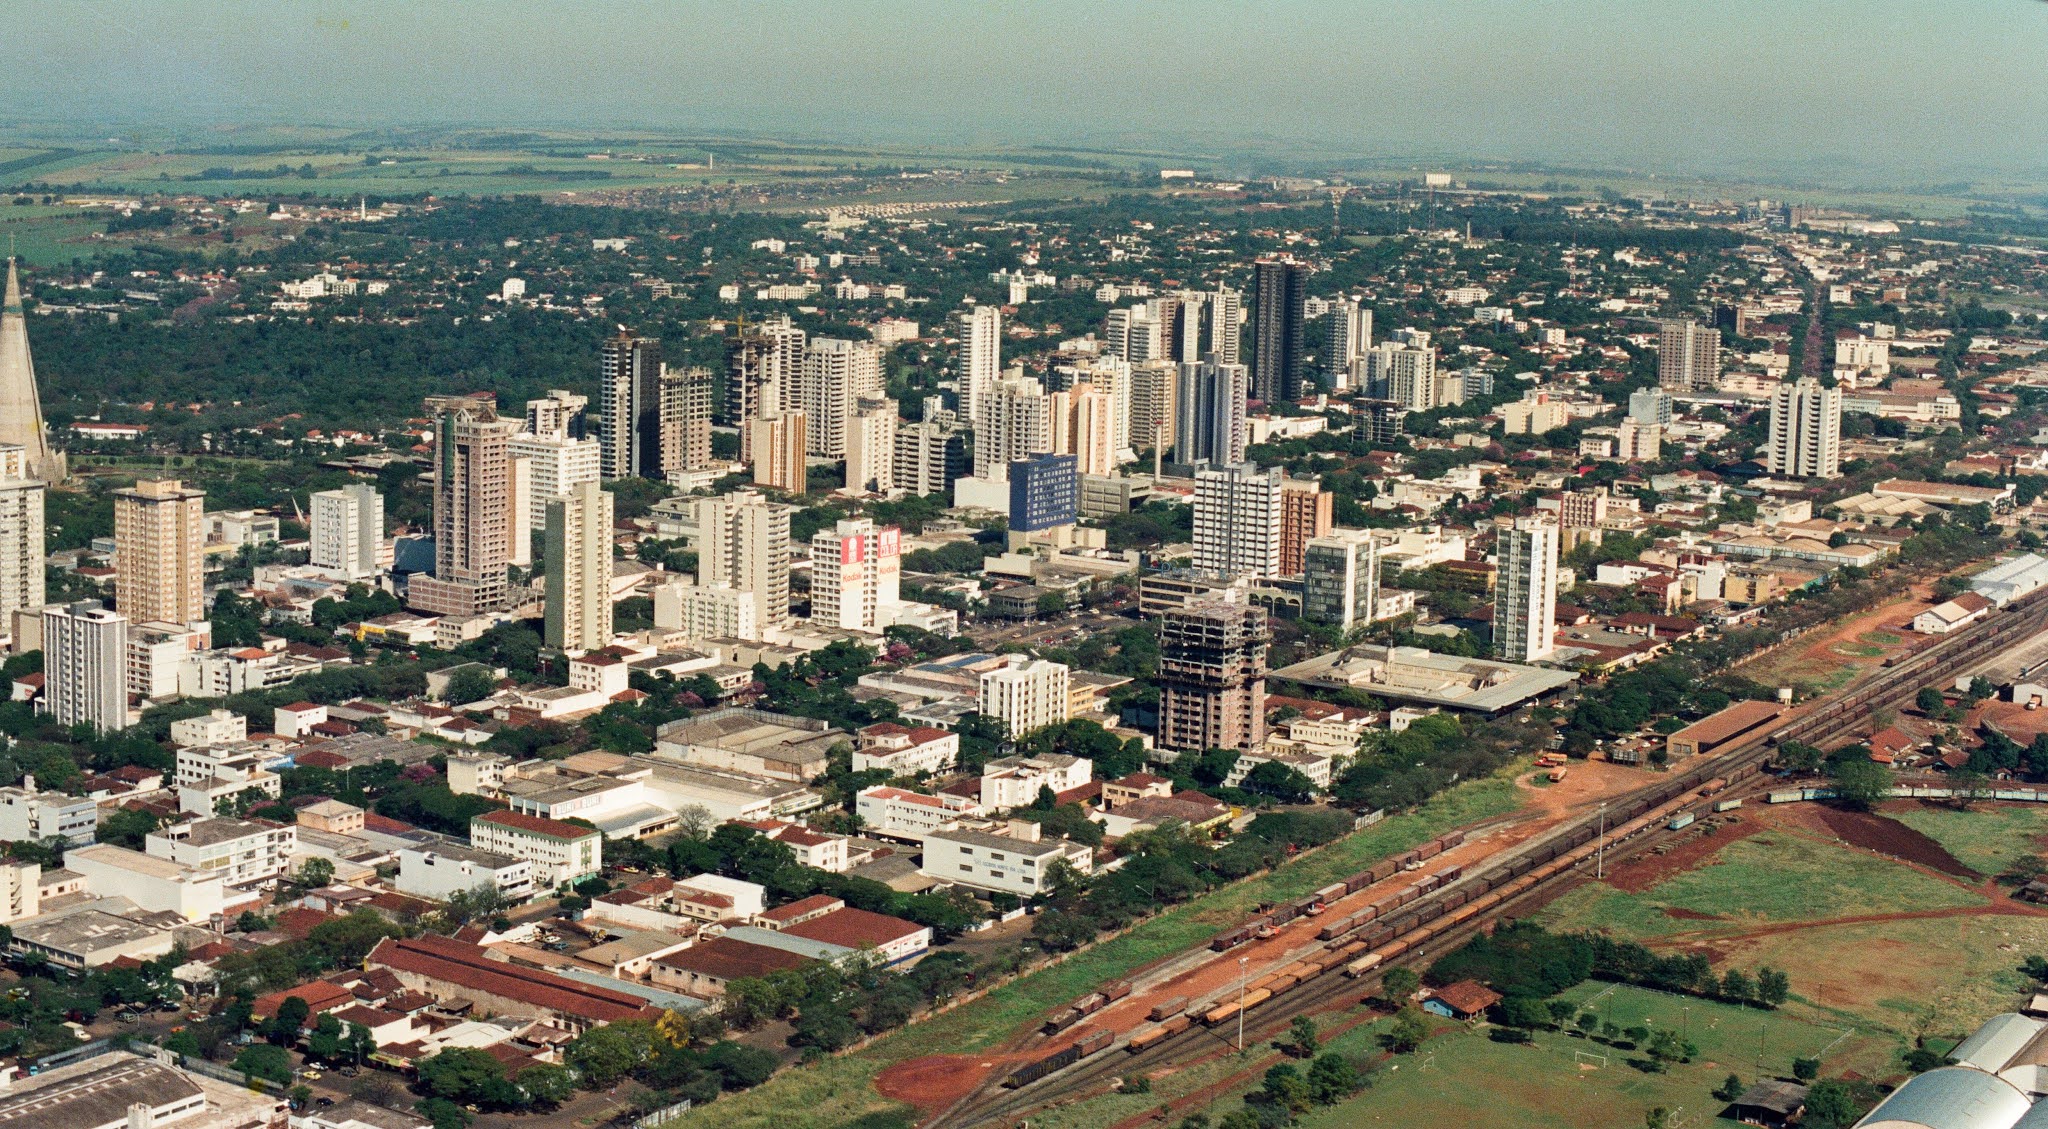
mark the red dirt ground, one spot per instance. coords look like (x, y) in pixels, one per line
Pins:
(934, 1082)
(1647, 870)
(1873, 832)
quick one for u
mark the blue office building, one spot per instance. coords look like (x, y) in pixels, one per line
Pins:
(1045, 491)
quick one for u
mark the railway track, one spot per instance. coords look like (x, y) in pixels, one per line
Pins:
(1512, 882)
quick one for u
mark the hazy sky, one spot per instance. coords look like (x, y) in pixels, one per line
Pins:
(1912, 89)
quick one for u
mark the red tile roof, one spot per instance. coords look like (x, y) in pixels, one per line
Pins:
(725, 959)
(1466, 997)
(802, 906)
(854, 928)
(319, 996)
(468, 966)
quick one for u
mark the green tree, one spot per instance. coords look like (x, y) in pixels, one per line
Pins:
(1301, 1036)
(470, 685)
(546, 1085)
(1730, 1088)
(443, 1113)
(1829, 1105)
(1860, 783)
(1398, 984)
(1773, 987)
(1407, 1032)
(1806, 1069)
(1929, 701)
(1331, 1079)
(261, 1060)
(603, 1055)
(292, 1014)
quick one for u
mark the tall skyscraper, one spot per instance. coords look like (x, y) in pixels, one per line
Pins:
(558, 415)
(771, 352)
(1134, 334)
(1153, 388)
(1305, 514)
(685, 419)
(1650, 405)
(1212, 676)
(1806, 430)
(578, 581)
(1340, 579)
(1015, 422)
(1638, 442)
(22, 556)
(930, 454)
(981, 357)
(473, 520)
(856, 571)
(1380, 421)
(1525, 591)
(1688, 356)
(1237, 520)
(1226, 323)
(775, 441)
(1403, 373)
(629, 382)
(1347, 335)
(1209, 412)
(159, 541)
(85, 677)
(1279, 289)
(836, 376)
(871, 448)
(743, 543)
(557, 452)
(21, 407)
(1111, 377)
(348, 531)
(1083, 418)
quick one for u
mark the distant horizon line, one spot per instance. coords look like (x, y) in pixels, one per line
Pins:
(1244, 154)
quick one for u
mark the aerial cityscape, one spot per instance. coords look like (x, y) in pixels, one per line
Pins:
(920, 566)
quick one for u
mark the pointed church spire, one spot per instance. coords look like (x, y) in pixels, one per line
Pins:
(21, 409)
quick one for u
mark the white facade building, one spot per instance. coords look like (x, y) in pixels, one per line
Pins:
(1806, 430)
(243, 852)
(348, 532)
(1027, 694)
(1525, 592)
(85, 665)
(1237, 520)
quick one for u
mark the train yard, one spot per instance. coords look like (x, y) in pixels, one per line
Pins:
(1394, 913)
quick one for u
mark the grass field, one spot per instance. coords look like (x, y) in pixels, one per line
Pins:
(1770, 877)
(1986, 838)
(838, 1092)
(1545, 1085)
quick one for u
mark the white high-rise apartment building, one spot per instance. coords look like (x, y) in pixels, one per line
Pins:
(558, 415)
(558, 453)
(21, 537)
(1027, 694)
(1806, 430)
(1348, 334)
(1113, 377)
(981, 357)
(836, 376)
(348, 531)
(1134, 335)
(85, 654)
(1015, 422)
(1688, 356)
(579, 569)
(1650, 405)
(1525, 591)
(743, 543)
(1340, 583)
(1638, 442)
(1226, 323)
(629, 377)
(1237, 520)
(700, 612)
(1405, 374)
(856, 572)
(871, 448)
(1210, 413)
